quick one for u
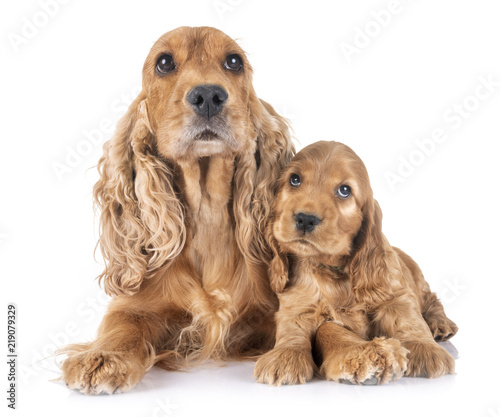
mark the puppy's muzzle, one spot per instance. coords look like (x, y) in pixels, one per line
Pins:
(306, 223)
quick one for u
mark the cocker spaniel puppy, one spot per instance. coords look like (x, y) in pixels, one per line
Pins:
(362, 304)
(186, 186)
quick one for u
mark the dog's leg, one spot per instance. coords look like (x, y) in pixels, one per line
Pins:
(290, 361)
(346, 357)
(123, 351)
(401, 318)
(442, 328)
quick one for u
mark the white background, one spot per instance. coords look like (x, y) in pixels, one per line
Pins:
(69, 76)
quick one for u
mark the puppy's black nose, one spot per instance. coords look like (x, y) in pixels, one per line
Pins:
(306, 222)
(207, 99)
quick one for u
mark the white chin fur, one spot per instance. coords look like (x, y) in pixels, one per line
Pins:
(201, 148)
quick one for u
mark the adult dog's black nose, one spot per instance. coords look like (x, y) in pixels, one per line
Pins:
(306, 222)
(207, 99)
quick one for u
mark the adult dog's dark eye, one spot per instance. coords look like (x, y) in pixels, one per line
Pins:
(233, 62)
(344, 191)
(294, 180)
(165, 64)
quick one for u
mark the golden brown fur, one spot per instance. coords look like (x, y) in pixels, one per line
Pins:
(182, 223)
(362, 304)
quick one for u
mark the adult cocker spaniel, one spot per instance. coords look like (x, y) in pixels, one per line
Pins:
(363, 305)
(186, 186)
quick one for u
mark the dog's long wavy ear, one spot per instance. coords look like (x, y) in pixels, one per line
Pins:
(142, 220)
(256, 178)
(372, 254)
(279, 265)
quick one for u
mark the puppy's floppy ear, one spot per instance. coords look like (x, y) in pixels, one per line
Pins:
(279, 265)
(256, 177)
(372, 254)
(142, 220)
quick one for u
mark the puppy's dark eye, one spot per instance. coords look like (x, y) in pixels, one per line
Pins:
(165, 64)
(294, 180)
(344, 191)
(233, 62)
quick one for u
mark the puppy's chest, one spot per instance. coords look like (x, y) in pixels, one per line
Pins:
(336, 301)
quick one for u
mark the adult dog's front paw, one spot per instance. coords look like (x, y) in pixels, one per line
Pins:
(428, 359)
(285, 366)
(372, 363)
(95, 372)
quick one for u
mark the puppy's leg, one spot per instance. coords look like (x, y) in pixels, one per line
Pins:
(400, 318)
(290, 361)
(118, 359)
(346, 356)
(253, 334)
(442, 328)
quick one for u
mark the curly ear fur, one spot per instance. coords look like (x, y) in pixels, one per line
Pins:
(256, 174)
(279, 265)
(369, 266)
(142, 220)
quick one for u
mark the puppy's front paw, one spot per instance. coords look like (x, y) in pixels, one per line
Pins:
(372, 363)
(284, 366)
(428, 359)
(95, 372)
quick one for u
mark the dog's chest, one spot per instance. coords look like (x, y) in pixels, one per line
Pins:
(211, 244)
(337, 301)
